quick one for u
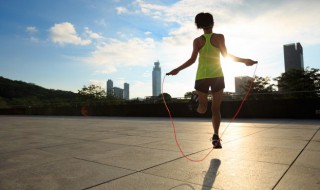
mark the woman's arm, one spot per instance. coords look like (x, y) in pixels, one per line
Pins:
(225, 53)
(189, 62)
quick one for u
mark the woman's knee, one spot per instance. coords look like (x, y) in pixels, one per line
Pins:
(215, 110)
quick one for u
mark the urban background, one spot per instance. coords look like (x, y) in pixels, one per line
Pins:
(293, 94)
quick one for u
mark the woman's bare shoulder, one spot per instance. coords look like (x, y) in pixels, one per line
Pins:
(199, 41)
(200, 38)
(217, 35)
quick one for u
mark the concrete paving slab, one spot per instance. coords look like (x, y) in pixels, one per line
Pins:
(24, 159)
(188, 146)
(131, 140)
(134, 158)
(87, 135)
(267, 142)
(276, 155)
(139, 181)
(143, 133)
(294, 134)
(62, 174)
(222, 174)
(140, 153)
(317, 136)
(83, 148)
(298, 178)
(24, 142)
(309, 159)
(313, 145)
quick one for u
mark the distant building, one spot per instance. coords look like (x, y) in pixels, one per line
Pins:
(293, 56)
(156, 79)
(126, 91)
(109, 87)
(241, 82)
(118, 92)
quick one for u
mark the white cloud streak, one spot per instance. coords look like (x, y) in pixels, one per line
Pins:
(115, 54)
(65, 33)
(121, 10)
(31, 29)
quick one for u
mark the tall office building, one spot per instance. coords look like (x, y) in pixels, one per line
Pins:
(293, 56)
(156, 79)
(241, 82)
(109, 87)
(117, 92)
(126, 91)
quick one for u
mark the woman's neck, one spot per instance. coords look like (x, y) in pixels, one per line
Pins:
(207, 30)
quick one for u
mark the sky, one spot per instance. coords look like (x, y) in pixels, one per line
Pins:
(66, 44)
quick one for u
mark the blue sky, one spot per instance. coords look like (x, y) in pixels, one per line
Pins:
(66, 44)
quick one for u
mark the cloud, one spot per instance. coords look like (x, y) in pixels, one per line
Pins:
(101, 83)
(113, 54)
(101, 22)
(31, 29)
(91, 34)
(65, 33)
(121, 10)
(148, 33)
(145, 89)
(239, 17)
(32, 33)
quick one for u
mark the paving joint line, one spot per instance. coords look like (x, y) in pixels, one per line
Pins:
(139, 171)
(295, 159)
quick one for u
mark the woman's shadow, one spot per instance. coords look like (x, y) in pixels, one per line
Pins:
(211, 174)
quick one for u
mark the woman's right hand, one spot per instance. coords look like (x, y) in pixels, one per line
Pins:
(250, 62)
(173, 72)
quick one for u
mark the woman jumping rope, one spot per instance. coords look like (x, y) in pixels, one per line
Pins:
(209, 73)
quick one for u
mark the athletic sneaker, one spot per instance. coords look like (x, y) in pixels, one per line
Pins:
(216, 141)
(194, 102)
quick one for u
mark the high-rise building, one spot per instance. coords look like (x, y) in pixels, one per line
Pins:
(293, 56)
(240, 83)
(117, 92)
(126, 91)
(156, 79)
(109, 87)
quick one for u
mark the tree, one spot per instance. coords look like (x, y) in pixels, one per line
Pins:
(261, 88)
(92, 92)
(259, 85)
(300, 83)
(188, 95)
(166, 96)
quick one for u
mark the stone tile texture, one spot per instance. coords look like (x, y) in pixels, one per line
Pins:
(141, 153)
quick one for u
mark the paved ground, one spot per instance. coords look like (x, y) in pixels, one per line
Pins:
(140, 153)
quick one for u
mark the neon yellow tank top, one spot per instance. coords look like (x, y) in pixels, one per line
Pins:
(209, 60)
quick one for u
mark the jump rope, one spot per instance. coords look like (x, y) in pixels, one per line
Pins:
(233, 118)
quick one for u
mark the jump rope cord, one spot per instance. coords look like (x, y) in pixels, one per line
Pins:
(233, 118)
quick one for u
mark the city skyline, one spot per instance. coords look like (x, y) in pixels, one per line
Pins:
(123, 93)
(66, 45)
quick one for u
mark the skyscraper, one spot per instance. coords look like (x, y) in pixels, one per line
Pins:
(156, 79)
(293, 56)
(241, 82)
(126, 91)
(117, 92)
(109, 87)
